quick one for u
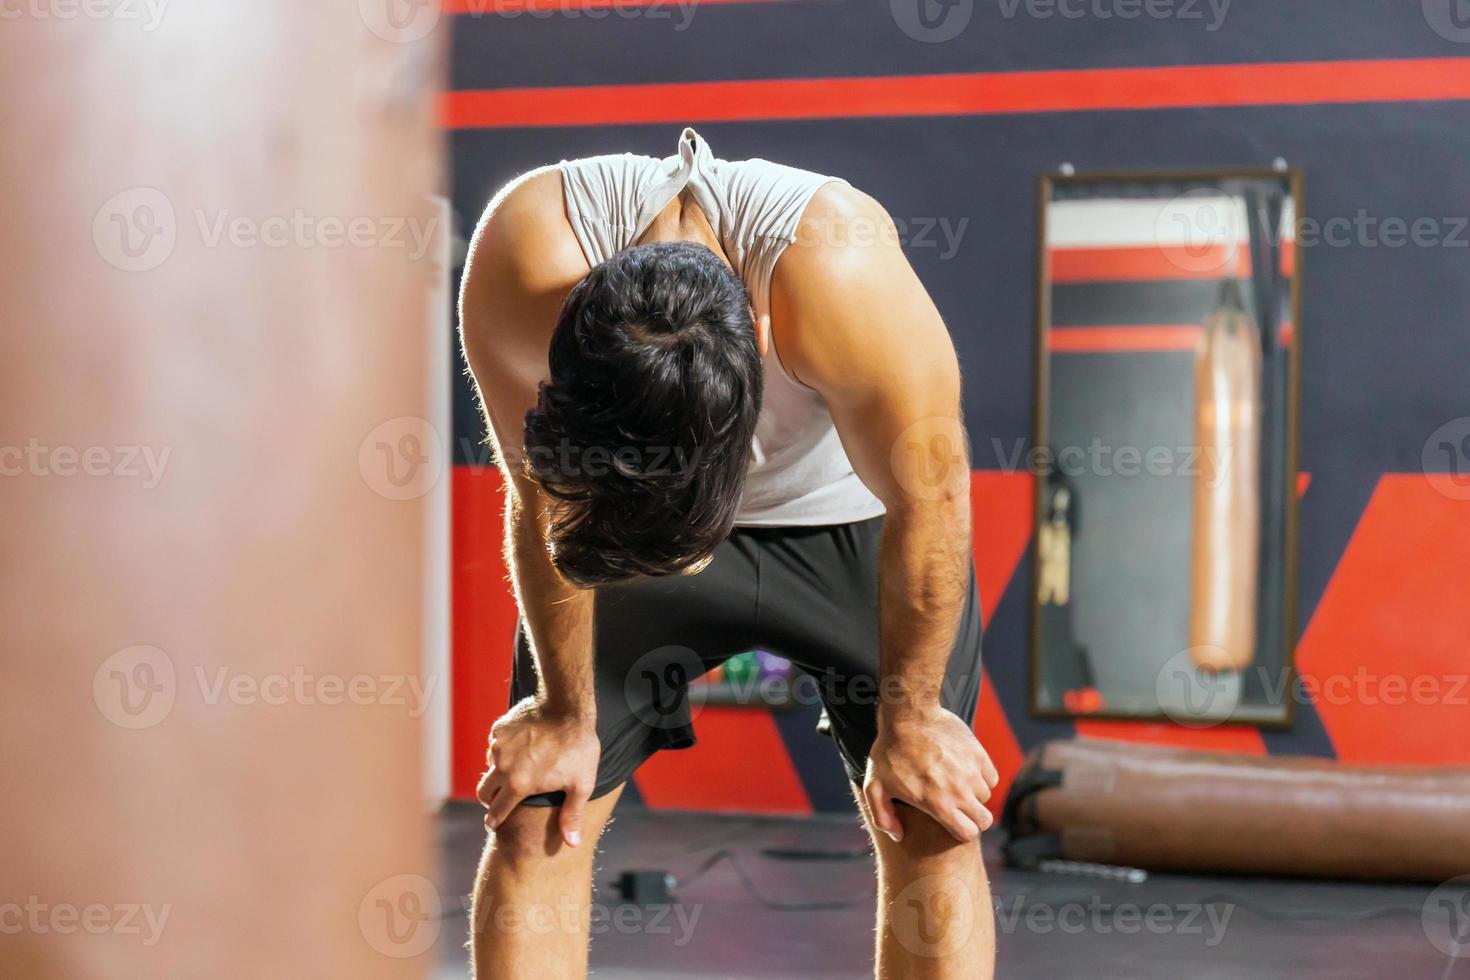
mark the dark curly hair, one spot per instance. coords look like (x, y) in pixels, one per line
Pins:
(642, 436)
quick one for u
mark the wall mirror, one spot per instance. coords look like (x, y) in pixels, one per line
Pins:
(1168, 352)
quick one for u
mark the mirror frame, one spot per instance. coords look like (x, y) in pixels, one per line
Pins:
(1294, 179)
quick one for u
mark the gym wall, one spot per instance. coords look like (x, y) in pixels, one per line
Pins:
(949, 120)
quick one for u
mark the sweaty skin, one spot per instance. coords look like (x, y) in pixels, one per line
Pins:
(851, 320)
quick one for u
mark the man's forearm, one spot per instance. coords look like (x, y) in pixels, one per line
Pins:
(557, 616)
(923, 581)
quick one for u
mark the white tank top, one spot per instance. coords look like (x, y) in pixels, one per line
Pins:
(799, 473)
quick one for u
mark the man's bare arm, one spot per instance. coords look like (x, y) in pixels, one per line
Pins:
(522, 262)
(853, 321)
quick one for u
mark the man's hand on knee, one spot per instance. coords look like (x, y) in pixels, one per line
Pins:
(533, 751)
(932, 761)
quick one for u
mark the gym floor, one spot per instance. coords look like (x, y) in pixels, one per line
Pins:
(1168, 926)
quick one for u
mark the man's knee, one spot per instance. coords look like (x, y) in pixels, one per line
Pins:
(528, 837)
(927, 843)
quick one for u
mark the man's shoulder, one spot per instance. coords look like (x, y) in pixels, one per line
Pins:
(522, 262)
(841, 233)
(524, 238)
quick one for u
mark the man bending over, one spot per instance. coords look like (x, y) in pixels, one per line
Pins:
(729, 419)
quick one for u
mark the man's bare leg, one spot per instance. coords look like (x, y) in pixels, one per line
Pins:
(533, 896)
(935, 918)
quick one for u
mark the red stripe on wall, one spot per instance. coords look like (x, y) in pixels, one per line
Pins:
(1151, 263)
(1291, 83)
(1114, 340)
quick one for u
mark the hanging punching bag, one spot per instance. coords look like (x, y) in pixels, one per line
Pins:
(1227, 508)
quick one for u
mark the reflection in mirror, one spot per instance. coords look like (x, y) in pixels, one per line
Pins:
(1166, 494)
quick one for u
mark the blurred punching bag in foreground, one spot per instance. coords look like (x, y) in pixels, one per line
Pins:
(1227, 508)
(214, 311)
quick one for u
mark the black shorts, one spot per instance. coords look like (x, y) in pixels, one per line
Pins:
(809, 594)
